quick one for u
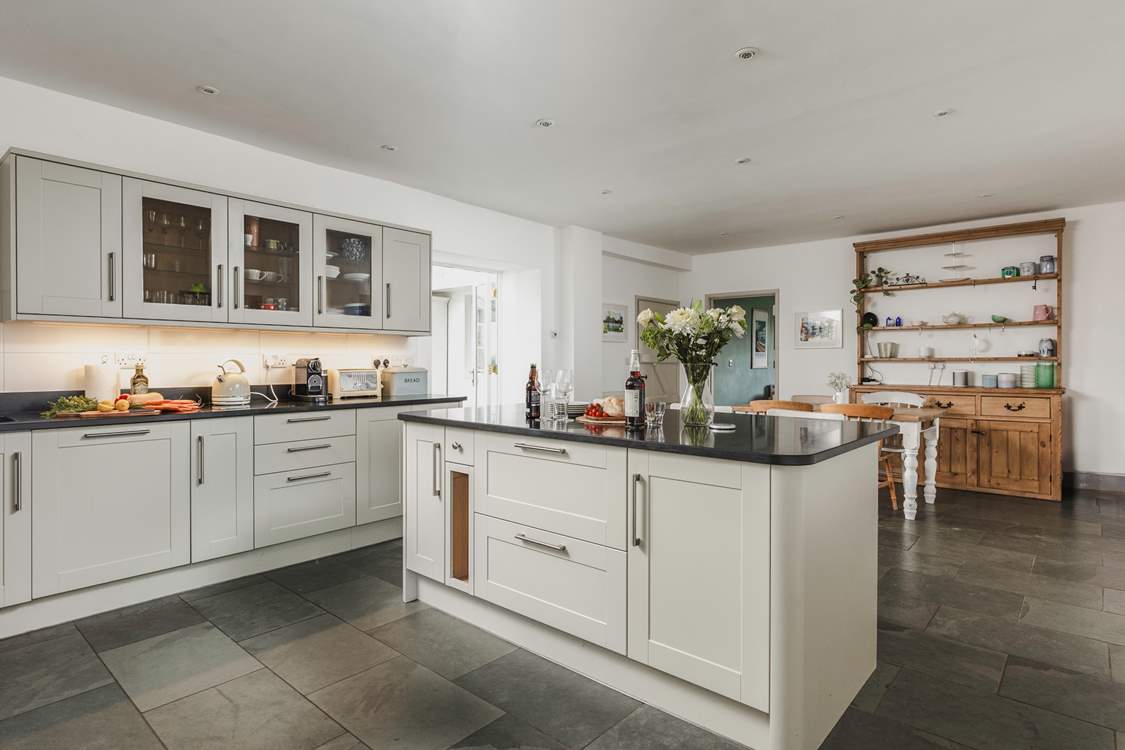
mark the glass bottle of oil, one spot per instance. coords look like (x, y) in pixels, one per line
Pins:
(139, 382)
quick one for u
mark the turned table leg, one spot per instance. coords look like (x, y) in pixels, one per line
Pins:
(930, 490)
(910, 438)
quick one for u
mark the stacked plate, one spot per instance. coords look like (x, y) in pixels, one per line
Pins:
(1027, 376)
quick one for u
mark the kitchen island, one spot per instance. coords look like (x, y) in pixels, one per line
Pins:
(726, 578)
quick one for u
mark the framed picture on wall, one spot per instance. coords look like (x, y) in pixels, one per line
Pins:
(613, 322)
(759, 339)
(823, 329)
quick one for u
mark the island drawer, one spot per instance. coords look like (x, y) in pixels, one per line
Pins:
(579, 493)
(459, 445)
(281, 428)
(1027, 407)
(302, 454)
(560, 581)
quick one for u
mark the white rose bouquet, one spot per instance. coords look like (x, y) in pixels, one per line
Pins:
(694, 336)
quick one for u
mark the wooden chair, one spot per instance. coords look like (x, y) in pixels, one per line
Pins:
(893, 398)
(762, 406)
(871, 413)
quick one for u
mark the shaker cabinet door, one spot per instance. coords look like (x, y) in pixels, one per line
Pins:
(222, 487)
(406, 280)
(15, 518)
(270, 251)
(425, 507)
(378, 464)
(348, 268)
(68, 240)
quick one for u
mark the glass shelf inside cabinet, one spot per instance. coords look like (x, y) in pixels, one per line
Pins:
(348, 273)
(177, 253)
(272, 276)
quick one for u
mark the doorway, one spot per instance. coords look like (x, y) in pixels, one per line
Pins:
(747, 368)
(464, 343)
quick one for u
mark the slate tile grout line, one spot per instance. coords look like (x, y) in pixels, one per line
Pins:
(1052, 710)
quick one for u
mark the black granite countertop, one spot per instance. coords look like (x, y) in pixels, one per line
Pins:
(757, 438)
(14, 421)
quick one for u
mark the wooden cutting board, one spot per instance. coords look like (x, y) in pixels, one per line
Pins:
(601, 420)
(100, 414)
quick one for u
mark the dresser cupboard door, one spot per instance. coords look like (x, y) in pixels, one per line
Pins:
(222, 487)
(956, 459)
(1014, 456)
(406, 280)
(425, 507)
(15, 518)
(68, 240)
(109, 503)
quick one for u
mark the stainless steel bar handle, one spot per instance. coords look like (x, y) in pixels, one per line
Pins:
(219, 290)
(303, 448)
(199, 470)
(318, 475)
(320, 418)
(548, 545)
(541, 448)
(117, 433)
(320, 295)
(235, 287)
(437, 469)
(637, 479)
(112, 278)
(17, 477)
(388, 299)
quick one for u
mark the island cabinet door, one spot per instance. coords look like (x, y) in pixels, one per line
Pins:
(222, 487)
(15, 518)
(424, 526)
(699, 566)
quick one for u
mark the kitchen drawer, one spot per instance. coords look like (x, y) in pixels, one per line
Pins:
(282, 428)
(303, 454)
(459, 445)
(956, 403)
(1027, 407)
(292, 505)
(560, 581)
(567, 488)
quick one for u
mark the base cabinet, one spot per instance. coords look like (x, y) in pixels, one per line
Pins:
(15, 518)
(424, 527)
(379, 473)
(1014, 456)
(109, 503)
(291, 505)
(222, 487)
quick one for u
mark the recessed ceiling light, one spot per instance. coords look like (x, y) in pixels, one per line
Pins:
(747, 53)
(985, 195)
(724, 234)
(543, 122)
(389, 147)
(943, 112)
(206, 88)
(607, 191)
(742, 160)
(837, 217)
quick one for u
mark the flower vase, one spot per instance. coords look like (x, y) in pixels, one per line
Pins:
(840, 397)
(697, 406)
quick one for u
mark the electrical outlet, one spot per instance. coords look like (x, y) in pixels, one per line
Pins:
(276, 360)
(129, 359)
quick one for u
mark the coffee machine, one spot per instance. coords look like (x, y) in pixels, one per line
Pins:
(308, 381)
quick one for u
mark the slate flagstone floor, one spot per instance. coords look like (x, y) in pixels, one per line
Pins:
(1002, 625)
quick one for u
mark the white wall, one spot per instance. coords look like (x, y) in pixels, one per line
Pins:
(622, 281)
(817, 275)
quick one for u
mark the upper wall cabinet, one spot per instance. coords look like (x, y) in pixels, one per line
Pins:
(270, 250)
(68, 225)
(406, 280)
(349, 265)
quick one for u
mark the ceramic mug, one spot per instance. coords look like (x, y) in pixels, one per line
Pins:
(1009, 272)
(1029, 268)
(1043, 312)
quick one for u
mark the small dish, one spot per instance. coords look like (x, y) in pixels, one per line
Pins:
(356, 276)
(999, 319)
(253, 274)
(269, 275)
(331, 271)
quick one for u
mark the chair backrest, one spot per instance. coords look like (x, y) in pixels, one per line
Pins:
(860, 412)
(893, 398)
(815, 400)
(762, 406)
(805, 414)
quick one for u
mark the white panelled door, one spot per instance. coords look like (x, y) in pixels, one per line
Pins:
(222, 487)
(425, 510)
(15, 518)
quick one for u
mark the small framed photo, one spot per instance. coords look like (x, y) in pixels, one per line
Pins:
(823, 329)
(613, 322)
(759, 339)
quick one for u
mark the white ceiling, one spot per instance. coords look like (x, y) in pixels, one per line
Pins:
(648, 100)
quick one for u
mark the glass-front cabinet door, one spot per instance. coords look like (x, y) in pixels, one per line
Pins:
(349, 273)
(174, 248)
(270, 264)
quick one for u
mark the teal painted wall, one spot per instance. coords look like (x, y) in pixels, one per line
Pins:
(739, 384)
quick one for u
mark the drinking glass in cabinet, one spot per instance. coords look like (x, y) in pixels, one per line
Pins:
(348, 273)
(177, 253)
(272, 276)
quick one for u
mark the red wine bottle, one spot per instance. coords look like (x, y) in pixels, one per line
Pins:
(635, 394)
(531, 396)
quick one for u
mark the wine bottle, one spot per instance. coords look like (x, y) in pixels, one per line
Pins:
(531, 396)
(635, 394)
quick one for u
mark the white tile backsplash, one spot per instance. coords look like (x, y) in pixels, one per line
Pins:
(50, 356)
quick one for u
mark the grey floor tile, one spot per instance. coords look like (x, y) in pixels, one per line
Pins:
(47, 671)
(343, 742)
(947, 590)
(167, 667)
(315, 653)
(1054, 549)
(961, 551)
(985, 721)
(918, 562)
(442, 643)
(403, 704)
(1114, 601)
(255, 712)
(897, 538)
(221, 587)
(905, 611)
(131, 624)
(1031, 584)
(1097, 700)
(567, 706)
(379, 564)
(650, 729)
(1021, 639)
(858, 730)
(315, 574)
(365, 602)
(976, 668)
(253, 610)
(1103, 626)
(872, 691)
(1083, 572)
(1117, 663)
(99, 719)
(508, 733)
(36, 636)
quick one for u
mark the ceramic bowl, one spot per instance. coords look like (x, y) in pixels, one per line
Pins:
(331, 271)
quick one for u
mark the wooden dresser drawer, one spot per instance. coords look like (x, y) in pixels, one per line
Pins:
(1028, 407)
(956, 403)
(281, 428)
(303, 454)
(566, 583)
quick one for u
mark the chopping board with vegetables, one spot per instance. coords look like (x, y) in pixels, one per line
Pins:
(125, 405)
(607, 411)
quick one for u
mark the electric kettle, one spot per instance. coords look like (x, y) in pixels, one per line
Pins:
(230, 388)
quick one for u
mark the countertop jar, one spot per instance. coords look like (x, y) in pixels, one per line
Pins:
(1046, 264)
